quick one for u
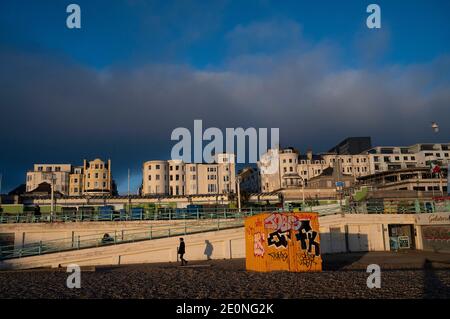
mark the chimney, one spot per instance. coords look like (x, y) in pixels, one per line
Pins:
(309, 154)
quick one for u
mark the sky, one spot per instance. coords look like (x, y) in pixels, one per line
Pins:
(136, 70)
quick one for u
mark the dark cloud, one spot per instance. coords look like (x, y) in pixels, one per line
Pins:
(54, 110)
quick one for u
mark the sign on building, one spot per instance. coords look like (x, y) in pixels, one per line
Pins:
(283, 241)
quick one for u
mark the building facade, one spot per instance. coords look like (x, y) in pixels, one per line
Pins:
(389, 158)
(45, 173)
(97, 177)
(297, 170)
(93, 178)
(176, 178)
(418, 179)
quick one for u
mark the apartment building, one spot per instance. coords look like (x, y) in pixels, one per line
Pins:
(389, 158)
(174, 177)
(97, 177)
(297, 169)
(45, 173)
(93, 178)
(76, 181)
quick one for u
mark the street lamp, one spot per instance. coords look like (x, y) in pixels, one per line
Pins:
(238, 182)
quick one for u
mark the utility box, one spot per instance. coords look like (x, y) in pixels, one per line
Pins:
(283, 241)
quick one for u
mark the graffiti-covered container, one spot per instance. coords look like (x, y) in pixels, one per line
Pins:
(283, 241)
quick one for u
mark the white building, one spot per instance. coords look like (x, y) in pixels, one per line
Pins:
(45, 173)
(388, 158)
(295, 169)
(174, 177)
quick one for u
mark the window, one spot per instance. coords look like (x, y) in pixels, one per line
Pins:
(149, 177)
(96, 175)
(290, 160)
(177, 178)
(158, 166)
(149, 167)
(157, 177)
(413, 158)
(104, 184)
(104, 175)
(171, 177)
(375, 159)
(57, 169)
(397, 158)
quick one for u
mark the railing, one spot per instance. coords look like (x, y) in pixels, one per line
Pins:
(123, 215)
(118, 237)
(397, 207)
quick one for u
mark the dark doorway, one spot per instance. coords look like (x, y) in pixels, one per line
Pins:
(402, 236)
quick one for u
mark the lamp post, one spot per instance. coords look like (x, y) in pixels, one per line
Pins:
(52, 196)
(238, 182)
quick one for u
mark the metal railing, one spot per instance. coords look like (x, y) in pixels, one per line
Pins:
(124, 215)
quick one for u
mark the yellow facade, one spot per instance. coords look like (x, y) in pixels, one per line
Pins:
(283, 241)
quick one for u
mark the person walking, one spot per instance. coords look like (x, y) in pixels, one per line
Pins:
(182, 251)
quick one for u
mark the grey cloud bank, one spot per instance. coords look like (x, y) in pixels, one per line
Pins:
(54, 110)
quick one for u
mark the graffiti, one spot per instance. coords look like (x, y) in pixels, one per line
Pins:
(283, 241)
(436, 233)
(306, 235)
(278, 239)
(282, 222)
(258, 244)
(279, 255)
(306, 259)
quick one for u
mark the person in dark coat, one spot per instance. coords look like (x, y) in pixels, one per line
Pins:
(182, 251)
